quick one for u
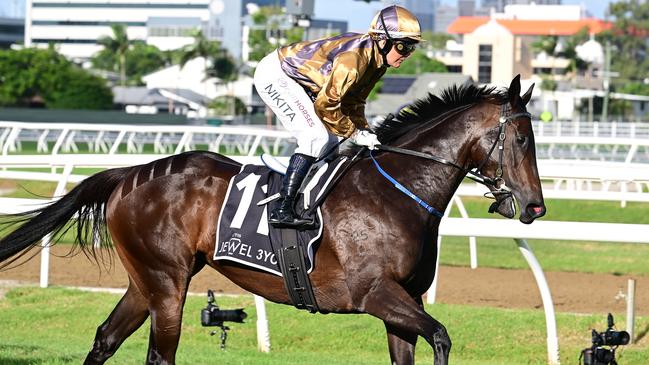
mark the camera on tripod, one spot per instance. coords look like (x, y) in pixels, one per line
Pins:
(600, 355)
(212, 316)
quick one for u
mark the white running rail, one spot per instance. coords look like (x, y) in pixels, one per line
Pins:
(616, 142)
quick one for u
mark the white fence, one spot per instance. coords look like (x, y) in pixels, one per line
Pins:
(56, 138)
(617, 142)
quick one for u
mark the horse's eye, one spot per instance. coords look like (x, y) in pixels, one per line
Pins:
(521, 139)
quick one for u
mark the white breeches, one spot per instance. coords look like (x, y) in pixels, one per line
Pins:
(292, 106)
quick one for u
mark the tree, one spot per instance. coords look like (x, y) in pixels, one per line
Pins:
(628, 37)
(26, 74)
(547, 44)
(33, 74)
(569, 52)
(117, 45)
(416, 64)
(202, 47)
(565, 48)
(78, 89)
(267, 33)
(224, 68)
(142, 59)
(435, 40)
(228, 105)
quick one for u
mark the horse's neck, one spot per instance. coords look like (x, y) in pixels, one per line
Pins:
(451, 141)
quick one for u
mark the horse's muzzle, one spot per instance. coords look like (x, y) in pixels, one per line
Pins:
(531, 212)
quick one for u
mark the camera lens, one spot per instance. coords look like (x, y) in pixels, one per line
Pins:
(615, 338)
(234, 315)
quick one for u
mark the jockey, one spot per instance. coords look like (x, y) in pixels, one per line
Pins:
(317, 89)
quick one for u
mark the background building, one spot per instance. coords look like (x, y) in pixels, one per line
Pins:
(12, 30)
(466, 7)
(506, 40)
(424, 10)
(444, 17)
(499, 5)
(76, 25)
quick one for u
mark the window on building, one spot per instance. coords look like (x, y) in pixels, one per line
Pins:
(542, 70)
(171, 31)
(484, 63)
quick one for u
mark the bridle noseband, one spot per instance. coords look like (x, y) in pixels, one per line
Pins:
(497, 181)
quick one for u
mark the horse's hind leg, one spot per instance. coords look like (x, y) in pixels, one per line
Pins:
(391, 303)
(165, 285)
(128, 315)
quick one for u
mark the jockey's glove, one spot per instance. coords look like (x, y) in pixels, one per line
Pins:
(364, 137)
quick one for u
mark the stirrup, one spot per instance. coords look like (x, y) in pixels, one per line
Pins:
(290, 221)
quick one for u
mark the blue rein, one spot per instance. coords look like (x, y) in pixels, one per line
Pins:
(404, 190)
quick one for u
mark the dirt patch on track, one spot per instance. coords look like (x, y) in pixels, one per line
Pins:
(572, 292)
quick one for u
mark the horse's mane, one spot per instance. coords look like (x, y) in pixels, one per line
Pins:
(432, 108)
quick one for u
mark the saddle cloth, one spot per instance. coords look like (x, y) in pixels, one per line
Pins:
(243, 234)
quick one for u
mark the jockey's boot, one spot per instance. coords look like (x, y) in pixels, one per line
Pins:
(284, 216)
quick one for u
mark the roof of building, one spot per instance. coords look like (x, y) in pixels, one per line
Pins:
(467, 24)
(144, 96)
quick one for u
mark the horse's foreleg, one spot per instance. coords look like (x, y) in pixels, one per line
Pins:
(391, 303)
(128, 315)
(401, 344)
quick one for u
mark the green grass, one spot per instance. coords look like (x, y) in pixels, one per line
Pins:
(56, 326)
(581, 256)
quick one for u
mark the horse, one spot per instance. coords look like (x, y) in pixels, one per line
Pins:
(378, 249)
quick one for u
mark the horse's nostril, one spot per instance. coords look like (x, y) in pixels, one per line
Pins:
(535, 210)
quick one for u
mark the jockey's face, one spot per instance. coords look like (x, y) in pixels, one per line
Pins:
(395, 58)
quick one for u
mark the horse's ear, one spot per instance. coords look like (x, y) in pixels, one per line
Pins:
(515, 90)
(528, 95)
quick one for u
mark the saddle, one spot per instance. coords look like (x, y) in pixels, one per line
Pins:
(244, 235)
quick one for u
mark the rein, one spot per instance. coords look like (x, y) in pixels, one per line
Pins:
(476, 175)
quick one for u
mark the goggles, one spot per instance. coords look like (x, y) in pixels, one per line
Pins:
(404, 48)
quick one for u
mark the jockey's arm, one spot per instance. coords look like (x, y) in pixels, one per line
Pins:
(328, 105)
(354, 107)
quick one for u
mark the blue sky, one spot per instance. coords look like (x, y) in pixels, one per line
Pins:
(357, 13)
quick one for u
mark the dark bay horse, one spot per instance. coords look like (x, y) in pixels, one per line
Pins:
(378, 249)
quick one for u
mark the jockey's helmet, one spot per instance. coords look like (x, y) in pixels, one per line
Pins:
(395, 22)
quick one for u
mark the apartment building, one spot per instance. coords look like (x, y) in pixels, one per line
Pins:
(496, 48)
(76, 25)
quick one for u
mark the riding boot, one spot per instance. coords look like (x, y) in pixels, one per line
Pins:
(284, 216)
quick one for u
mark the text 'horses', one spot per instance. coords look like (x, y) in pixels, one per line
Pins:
(378, 248)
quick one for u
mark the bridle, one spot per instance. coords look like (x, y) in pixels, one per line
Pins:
(497, 183)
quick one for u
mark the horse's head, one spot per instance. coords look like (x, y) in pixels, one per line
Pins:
(506, 153)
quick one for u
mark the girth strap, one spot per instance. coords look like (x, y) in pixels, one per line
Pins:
(296, 280)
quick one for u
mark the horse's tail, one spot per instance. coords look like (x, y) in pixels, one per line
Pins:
(87, 201)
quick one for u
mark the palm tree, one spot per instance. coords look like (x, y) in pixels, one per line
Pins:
(224, 67)
(202, 47)
(118, 45)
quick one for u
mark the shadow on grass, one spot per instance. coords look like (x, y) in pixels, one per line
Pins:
(23, 355)
(642, 334)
